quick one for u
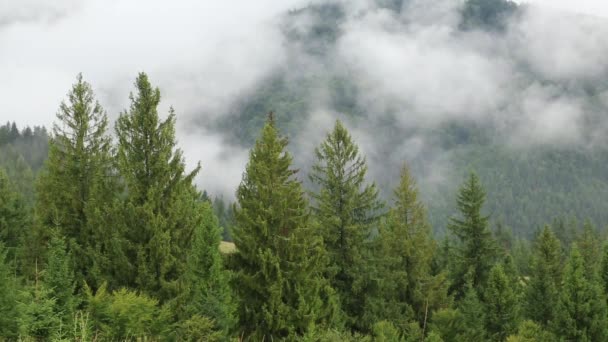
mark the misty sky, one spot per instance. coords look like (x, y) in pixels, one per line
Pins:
(204, 54)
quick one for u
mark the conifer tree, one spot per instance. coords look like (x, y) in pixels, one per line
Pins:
(206, 288)
(407, 288)
(604, 270)
(346, 208)
(14, 220)
(543, 287)
(9, 313)
(472, 316)
(501, 305)
(160, 212)
(58, 278)
(476, 252)
(581, 310)
(588, 243)
(77, 179)
(279, 256)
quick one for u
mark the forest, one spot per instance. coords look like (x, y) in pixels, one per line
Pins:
(106, 233)
(110, 239)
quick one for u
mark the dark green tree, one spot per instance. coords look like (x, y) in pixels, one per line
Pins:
(161, 211)
(406, 289)
(346, 208)
(279, 258)
(501, 305)
(472, 317)
(206, 283)
(14, 219)
(542, 291)
(77, 180)
(476, 250)
(581, 310)
(58, 278)
(9, 311)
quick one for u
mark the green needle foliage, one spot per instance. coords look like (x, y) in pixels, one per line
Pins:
(77, 182)
(346, 208)
(542, 291)
(279, 256)
(581, 310)
(476, 250)
(161, 211)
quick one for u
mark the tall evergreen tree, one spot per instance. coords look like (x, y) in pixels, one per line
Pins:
(542, 291)
(477, 249)
(9, 313)
(407, 288)
(77, 179)
(14, 219)
(279, 256)
(346, 208)
(206, 288)
(58, 278)
(160, 212)
(581, 310)
(501, 305)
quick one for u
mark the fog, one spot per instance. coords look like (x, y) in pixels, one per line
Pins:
(415, 65)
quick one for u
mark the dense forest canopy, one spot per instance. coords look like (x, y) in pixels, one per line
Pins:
(410, 170)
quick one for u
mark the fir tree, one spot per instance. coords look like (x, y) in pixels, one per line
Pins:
(58, 278)
(501, 305)
(346, 208)
(279, 255)
(477, 250)
(14, 219)
(160, 212)
(9, 311)
(78, 180)
(407, 288)
(472, 316)
(581, 310)
(543, 287)
(206, 289)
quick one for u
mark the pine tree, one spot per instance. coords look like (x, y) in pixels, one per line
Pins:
(604, 270)
(77, 179)
(501, 305)
(346, 208)
(472, 316)
(407, 288)
(9, 313)
(590, 248)
(581, 310)
(477, 250)
(543, 287)
(14, 219)
(160, 213)
(207, 292)
(279, 255)
(58, 278)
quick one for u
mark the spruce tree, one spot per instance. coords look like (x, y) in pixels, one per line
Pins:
(58, 278)
(279, 256)
(476, 250)
(206, 288)
(542, 290)
(407, 288)
(14, 219)
(581, 310)
(501, 305)
(346, 208)
(472, 316)
(9, 311)
(160, 213)
(77, 180)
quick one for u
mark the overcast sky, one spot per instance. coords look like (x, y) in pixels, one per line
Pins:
(204, 54)
(593, 7)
